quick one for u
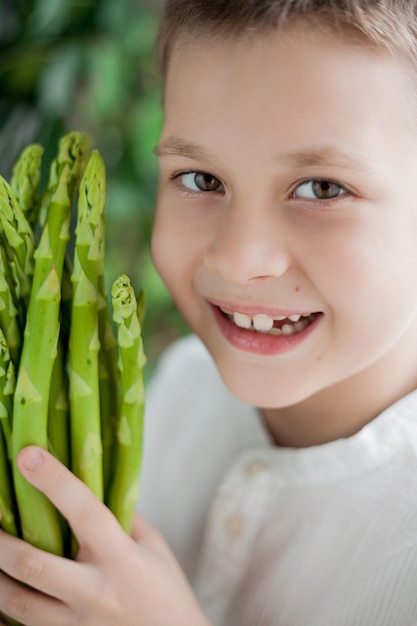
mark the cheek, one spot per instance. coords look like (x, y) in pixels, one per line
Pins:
(359, 268)
(371, 288)
(175, 254)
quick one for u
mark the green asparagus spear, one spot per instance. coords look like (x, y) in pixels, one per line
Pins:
(19, 243)
(108, 381)
(58, 413)
(59, 428)
(109, 394)
(9, 314)
(7, 386)
(84, 338)
(8, 519)
(66, 303)
(39, 519)
(26, 180)
(125, 485)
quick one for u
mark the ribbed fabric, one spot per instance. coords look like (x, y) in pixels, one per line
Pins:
(321, 536)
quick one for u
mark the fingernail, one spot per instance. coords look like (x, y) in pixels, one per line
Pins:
(32, 459)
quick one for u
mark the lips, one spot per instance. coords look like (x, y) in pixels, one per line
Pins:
(265, 332)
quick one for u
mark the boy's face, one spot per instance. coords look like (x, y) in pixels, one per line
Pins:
(289, 187)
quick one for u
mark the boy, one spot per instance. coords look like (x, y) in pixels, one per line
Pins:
(285, 230)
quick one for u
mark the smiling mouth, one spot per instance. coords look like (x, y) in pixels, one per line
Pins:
(268, 325)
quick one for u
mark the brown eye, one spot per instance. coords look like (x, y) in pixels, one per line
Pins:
(323, 189)
(319, 190)
(201, 181)
(207, 182)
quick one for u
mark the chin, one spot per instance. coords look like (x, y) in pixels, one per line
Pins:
(268, 391)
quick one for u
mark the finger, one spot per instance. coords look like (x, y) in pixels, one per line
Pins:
(92, 522)
(30, 607)
(41, 570)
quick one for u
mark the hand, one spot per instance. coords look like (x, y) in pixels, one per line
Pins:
(116, 579)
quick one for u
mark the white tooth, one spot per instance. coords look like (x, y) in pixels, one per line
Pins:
(294, 318)
(306, 314)
(280, 318)
(288, 329)
(263, 323)
(242, 320)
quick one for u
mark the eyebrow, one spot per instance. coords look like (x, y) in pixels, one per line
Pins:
(175, 147)
(327, 156)
(310, 157)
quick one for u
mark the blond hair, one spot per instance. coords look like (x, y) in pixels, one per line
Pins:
(385, 24)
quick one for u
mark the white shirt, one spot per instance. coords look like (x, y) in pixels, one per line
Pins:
(269, 536)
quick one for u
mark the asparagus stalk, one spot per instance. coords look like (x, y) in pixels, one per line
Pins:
(84, 341)
(9, 314)
(59, 428)
(26, 181)
(128, 454)
(8, 519)
(19, 243)
(66, 303)
(58, 412)
(108, 382)
(7, 386)
(74, 150)
(39, 519)
(109, 393)
(32, 392)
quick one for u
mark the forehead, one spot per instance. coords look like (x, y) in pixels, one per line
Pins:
(277, 80)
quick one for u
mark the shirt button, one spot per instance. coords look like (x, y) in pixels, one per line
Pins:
(255, 468)
(234, 525)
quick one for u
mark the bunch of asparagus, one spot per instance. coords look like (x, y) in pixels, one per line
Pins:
(70, 380)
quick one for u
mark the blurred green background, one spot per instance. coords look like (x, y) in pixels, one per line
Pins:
(90, 65)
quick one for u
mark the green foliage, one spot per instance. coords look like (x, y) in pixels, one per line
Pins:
(89, 65)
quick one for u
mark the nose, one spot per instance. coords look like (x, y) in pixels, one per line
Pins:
(248, 245)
